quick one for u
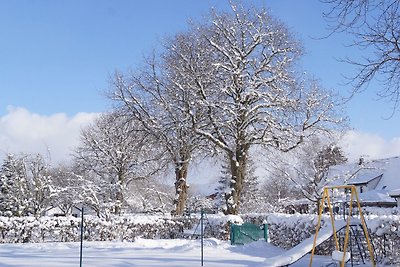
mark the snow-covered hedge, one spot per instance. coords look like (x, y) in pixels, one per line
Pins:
(285, 230)
(385, 231)
(288, 230)
(126, 228)
(121, 228)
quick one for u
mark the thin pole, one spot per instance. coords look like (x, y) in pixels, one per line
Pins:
(364, 225)
(346, 237)
(321, 207)
(202, 237)
(332, 219)
(80, 258)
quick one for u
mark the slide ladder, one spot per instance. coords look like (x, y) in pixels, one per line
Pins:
(358, 245)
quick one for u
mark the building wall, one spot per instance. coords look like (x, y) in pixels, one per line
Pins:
(374, 182)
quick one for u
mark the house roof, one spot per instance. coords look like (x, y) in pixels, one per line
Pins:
(391, 173)
(364, 176)
(395, 193)
(353, 173)
(376, 196)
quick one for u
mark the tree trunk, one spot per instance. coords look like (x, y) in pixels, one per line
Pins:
(238, 165)
(181, 187)
(119, 197)
(118, 202)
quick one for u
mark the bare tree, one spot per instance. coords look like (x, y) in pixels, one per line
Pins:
(240, 66)
(40, 186)
(278, 192)
(307, 167)
(150, 196)
(117, 152)
(65, 182)
(74, 190)
(152, 98)
(375, 26)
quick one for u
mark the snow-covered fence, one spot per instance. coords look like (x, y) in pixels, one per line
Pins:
(215, 225)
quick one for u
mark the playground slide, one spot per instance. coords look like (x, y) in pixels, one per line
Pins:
(297, 252)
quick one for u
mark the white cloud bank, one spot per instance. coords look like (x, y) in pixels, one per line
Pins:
(371, 146)
(22, 131)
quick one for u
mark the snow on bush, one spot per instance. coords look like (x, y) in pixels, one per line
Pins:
(45, 229)
(288, 230)
(384, 224)
(284, 230)
(117, 228)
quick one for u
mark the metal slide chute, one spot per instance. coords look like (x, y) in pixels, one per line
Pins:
(299, 251)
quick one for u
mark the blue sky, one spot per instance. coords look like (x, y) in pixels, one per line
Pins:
(56, 56)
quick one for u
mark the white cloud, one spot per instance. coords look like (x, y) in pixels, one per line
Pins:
(373, 146)
(22, 131)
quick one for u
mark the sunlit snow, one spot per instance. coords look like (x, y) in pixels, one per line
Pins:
(141, 253)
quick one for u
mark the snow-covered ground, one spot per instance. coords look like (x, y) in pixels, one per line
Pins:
(143, 253)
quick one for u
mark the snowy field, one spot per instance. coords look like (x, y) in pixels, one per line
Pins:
(143, 253)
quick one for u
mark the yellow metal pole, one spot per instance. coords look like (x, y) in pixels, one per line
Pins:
(332, 221)
(364, 225)
(321, 206)
(346, 239)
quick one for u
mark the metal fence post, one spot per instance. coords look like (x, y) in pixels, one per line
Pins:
(80, 258)
(202, 237)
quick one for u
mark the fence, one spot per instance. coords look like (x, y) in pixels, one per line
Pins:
(248, 232)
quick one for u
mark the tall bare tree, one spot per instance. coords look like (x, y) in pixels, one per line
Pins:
(240, 66)
(151, 98)
(307, 167)
(117, 152)
(375, 26)
(74, 190)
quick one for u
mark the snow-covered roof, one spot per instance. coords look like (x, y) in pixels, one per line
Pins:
(395, 193)
(376, 196)
(364, 176)
(353, 173)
